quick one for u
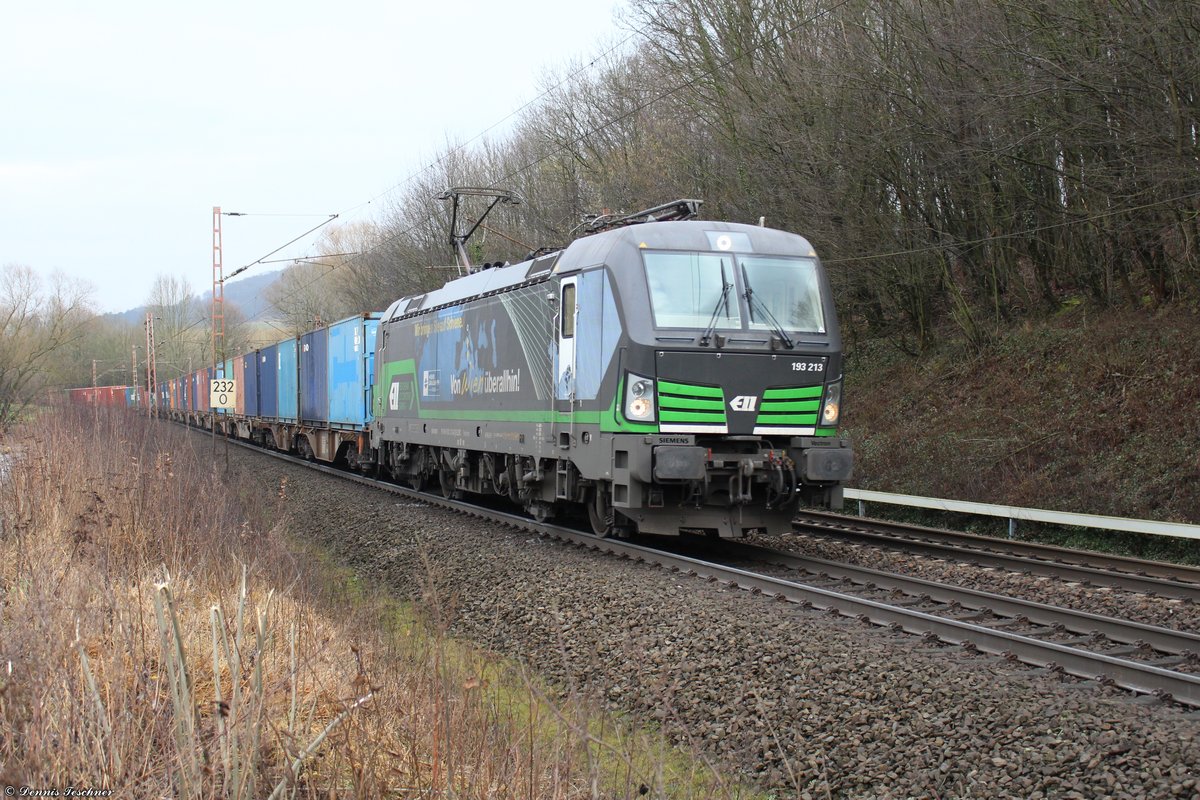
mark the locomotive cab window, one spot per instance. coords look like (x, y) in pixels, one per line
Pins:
(784, 290)
(734, 291)
(690, 290)
(568, 310)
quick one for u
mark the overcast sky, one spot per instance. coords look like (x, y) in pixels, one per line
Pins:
(125, 122)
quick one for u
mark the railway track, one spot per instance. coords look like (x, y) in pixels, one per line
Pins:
(1085, 567)
(1162, 647)
(1136, 657)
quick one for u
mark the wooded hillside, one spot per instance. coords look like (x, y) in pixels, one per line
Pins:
(961, 161)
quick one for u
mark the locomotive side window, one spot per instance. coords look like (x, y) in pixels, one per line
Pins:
(688, 290)
(568, 310)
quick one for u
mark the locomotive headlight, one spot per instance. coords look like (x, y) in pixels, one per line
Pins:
(640, 408)
(831, 408)
(639, 399)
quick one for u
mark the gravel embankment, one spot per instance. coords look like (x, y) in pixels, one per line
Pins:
(788, 699)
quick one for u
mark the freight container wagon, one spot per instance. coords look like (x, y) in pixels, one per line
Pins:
(225, 370)
(246, 374)
(268, 382)
(314, 377)
(106, 396)
(288, 386)
(203, 386)
(352, 370)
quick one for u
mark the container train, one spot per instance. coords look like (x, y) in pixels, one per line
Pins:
(661, 378)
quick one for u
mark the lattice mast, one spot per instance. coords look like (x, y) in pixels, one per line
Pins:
(151, 365)
(218, 295)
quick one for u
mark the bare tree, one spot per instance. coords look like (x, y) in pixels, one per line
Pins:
(364, 281)
(179, 326)
(956, 162)
(306, 296)
(36, 321)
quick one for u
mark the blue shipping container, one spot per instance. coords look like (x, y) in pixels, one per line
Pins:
(204, 388)
(351, 370)
(268, 382)
(225, 370)
(288, 408)
(248, 391)
(314, 376)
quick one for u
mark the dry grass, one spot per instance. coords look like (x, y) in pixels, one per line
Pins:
(159, 638)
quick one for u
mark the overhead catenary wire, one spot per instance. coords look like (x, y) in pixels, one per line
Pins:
(969, 243)
(658, 97)
(691, 81)
(442, 159)
(458, 148)
(313, 229)
(301, 260)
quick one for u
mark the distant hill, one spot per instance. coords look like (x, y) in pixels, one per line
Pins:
(249, 294)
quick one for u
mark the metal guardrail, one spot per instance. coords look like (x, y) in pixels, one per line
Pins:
(1015, 514)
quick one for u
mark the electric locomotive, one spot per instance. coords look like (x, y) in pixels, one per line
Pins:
(667, 377)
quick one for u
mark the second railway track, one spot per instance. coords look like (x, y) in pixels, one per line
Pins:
(1178, 581)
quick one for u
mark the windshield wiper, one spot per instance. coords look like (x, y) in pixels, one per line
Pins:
(722, 301)
(752, 301)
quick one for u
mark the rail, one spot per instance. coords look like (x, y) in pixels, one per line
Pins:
(1016, 514)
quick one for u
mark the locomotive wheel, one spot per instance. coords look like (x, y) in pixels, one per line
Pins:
(446, 479)
(418, 476)
(541, 512)
(601, 515)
